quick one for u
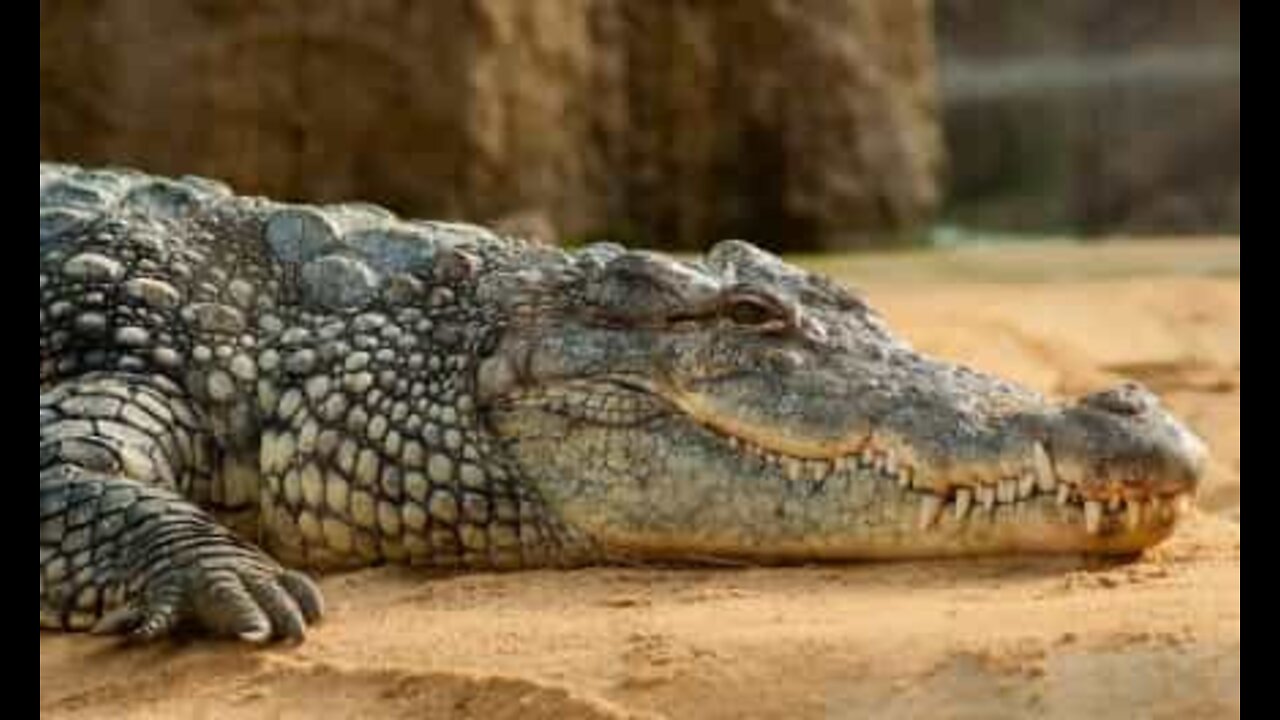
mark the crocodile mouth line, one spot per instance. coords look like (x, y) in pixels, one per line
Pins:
(1100, 509)
(1111, 508)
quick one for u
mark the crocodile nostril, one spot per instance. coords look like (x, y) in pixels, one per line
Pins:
(1129, 398)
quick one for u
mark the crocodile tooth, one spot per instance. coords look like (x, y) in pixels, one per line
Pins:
(1064, 494)
(1043, 468)
(1164, 507)
(1026, 486)
(890, 464)
(905, 478)
(1133, 514)
(1093, 517)
(1007, 491)
(1113, 504)
(1181, 506)
(793, 468)
(930, 510)
(819, 469)
(964, 501)
(987, 496)
(734, 442)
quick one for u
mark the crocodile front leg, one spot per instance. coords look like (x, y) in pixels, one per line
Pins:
(121, 550)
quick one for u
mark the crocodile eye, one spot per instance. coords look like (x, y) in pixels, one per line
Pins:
(753, 311)
(749, 312)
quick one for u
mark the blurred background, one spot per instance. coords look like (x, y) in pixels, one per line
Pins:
(800, 125)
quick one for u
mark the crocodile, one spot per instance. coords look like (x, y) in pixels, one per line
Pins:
(236, 392)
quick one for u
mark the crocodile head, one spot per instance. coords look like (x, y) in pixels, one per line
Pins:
(738, 407)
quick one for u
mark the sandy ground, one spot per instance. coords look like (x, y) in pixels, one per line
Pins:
(1005, 638)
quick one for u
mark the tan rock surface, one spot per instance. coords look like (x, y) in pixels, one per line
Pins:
(662, 120)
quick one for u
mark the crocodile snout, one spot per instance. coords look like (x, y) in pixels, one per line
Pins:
(1123, 441)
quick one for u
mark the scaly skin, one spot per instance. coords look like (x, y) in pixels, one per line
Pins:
(230, 386)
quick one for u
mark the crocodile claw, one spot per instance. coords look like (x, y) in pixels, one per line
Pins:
(243, 601)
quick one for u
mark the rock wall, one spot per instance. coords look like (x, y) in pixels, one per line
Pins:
(795, 123)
